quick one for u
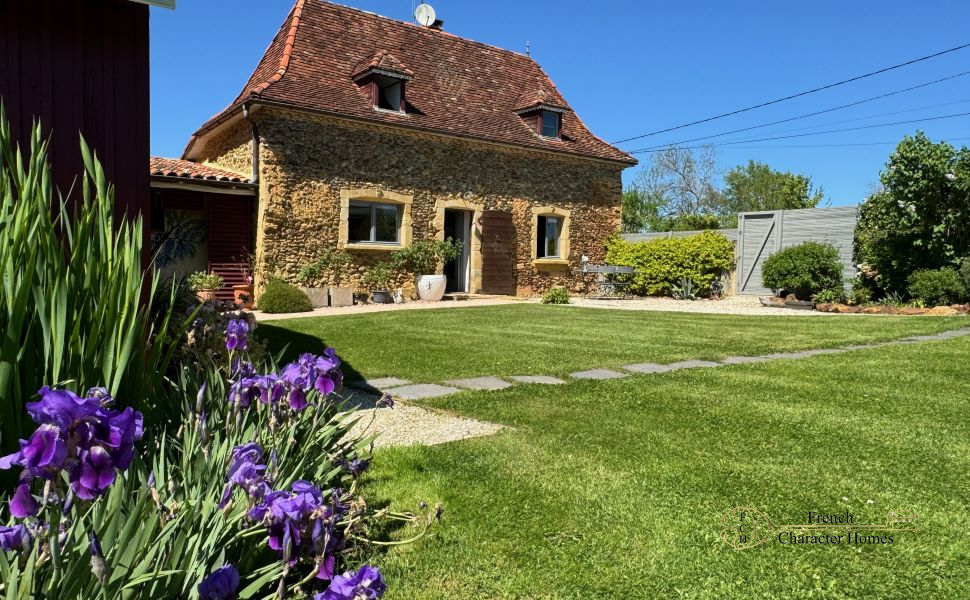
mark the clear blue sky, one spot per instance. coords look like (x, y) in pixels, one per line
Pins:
(630, 67)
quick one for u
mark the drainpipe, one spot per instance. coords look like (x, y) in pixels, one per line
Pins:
(255, 130)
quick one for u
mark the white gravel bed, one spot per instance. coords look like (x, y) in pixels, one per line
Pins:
(732, 305)
(409, 425)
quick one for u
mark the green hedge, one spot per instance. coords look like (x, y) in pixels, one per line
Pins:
(803, 270)
(937, 287)
(662, 263)
(281, 297)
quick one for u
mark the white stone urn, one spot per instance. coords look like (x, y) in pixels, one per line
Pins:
(431, 287)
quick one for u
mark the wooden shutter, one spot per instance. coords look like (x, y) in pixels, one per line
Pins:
(498, 253)
(230, 239)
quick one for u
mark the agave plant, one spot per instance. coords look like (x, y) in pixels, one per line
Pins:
(686, 290)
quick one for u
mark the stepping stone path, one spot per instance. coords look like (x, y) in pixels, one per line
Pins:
(401, 388)
(480, 383)
(693, 364)
(420, 391)
(407, 425)
(539, 379)
(597, 374)
(647, 368)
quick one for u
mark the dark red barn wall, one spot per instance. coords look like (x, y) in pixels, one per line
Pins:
(82, 66)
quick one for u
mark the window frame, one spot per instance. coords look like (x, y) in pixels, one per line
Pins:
(542, 237)
(543, 114)
(373, 205)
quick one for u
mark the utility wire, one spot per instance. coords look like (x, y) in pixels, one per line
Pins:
(814, 114)
(828, 145)
(797, 135)
(798, 95)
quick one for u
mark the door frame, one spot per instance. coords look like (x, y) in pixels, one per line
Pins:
(465, 218)
(474, 248)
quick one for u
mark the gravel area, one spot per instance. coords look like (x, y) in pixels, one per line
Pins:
(408, 425)
(732, 305)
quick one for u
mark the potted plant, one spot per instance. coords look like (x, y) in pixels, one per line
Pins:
(328, 267)
(242, 294)
(378, 279)
(205, 285)
(423, 259)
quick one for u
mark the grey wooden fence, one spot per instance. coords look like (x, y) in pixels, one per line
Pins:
(761, 234)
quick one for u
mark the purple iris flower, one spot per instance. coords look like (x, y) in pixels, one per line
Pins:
(221, 584)
(244, 391)
(79, 435)
(365, 584)
(246, 472)
(94, 475)
(237, 335)
(271, 387)
(14, 538)
(23, 504)
(356, 466)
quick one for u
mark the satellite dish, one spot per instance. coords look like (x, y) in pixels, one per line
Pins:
(425, 15)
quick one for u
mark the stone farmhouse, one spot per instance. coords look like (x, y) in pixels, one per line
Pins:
(360, 132)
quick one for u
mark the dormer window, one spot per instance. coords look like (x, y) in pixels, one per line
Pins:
(550, 123)
(390, 92)
(542, 112)
(383, 78)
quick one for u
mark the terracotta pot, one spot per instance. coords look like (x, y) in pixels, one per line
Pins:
(206, 295)
(242, 295)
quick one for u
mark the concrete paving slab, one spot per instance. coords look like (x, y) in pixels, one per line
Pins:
(539, 379)
(419, 391)
(597, 374)
(693, 364)
(379, 384)
(479, 383)
(784, 355)
(646, 368)
(744, 360)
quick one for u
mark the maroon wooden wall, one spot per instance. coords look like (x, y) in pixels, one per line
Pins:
(81, 66)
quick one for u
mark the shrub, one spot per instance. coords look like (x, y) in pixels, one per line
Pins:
(200, 280)
(378, 277)
(965, 272)
(556, 295)
(328, 267)
(835, 296)
(919, 218)
(804, 270)
(662, 263)
(939, 287)
(71, 306)
(425, 256)
(282, 297)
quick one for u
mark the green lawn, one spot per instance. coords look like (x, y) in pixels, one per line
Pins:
(614, 489)
(433, 345)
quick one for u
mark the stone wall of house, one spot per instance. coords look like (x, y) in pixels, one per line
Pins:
(305, 161)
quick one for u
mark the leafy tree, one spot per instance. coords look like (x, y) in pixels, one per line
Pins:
(679, 184)
(920, 219)
(756, 186)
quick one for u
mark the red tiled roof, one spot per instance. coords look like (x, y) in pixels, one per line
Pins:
(535, 99)
(186, 169)
(384, 61)
(458, 86)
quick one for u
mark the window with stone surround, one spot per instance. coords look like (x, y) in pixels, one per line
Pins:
(374, 223)
(374, 219)
(550, 236)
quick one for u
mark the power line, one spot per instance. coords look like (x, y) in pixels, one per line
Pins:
(827, 145)
(814, 114)
(797, 135)
(798, 95)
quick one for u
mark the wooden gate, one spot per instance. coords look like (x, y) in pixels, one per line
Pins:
(758, 237)
(230, 239)
(498, 253)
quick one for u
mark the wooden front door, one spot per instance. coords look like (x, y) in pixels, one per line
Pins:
(498, 253)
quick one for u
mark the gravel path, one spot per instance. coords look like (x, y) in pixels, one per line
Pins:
(408, 425)
(732, 305)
